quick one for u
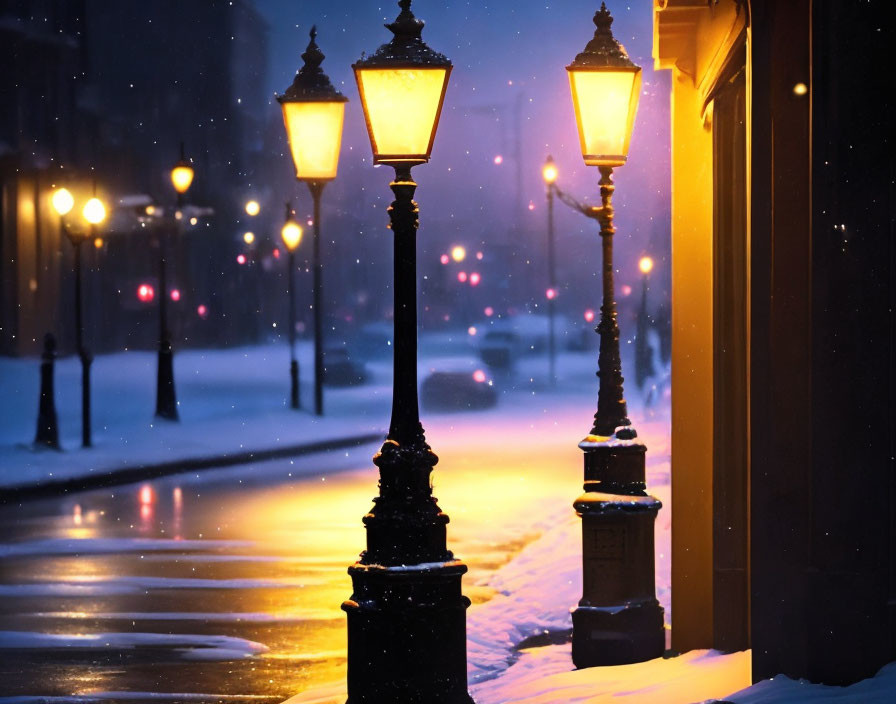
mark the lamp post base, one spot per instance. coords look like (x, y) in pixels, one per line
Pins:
(407, 634)
(294, 384)
(618, 619)
(617, 635)
(166, 402)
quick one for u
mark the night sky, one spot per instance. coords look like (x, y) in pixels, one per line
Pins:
(509, 57)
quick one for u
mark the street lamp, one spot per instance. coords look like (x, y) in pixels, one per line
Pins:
(292, 236)
(166, 400)
(549, 174)
(406, 615)
(643, 359)
(93, 213)
(618, 620)
(313, 112)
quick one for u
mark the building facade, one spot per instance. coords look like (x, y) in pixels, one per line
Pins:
(783, 477)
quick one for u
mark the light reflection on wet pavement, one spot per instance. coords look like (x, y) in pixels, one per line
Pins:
(224, 586)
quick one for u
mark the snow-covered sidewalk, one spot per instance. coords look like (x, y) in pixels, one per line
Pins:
(231, 402)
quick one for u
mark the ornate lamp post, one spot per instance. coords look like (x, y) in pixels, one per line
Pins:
(94, 212)
(406, 615)
(618, 620)
(313, 112)
(291, 233)
(166, 399)
(549, 173)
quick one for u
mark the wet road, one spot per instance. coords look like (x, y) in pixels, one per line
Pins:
(224, 586)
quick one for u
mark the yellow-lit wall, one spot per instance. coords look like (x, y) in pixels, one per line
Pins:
(694, 40)
(692, 371)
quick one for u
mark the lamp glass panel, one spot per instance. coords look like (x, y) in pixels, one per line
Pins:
(315, 137)
(291, 234)
(402, 108)
(605, 103)
(62, 200)
(94, 211)
(181, 178)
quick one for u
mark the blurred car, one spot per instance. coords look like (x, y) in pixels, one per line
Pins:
(457, 385)
(341, 370)
(373, 341)
(507, 339)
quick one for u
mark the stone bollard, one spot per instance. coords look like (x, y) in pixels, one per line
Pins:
(47, 426)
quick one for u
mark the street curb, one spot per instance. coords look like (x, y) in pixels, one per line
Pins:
(127, 475)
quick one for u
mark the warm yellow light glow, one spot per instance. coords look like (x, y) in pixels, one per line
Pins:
(150, 210)
(98, 243)
(63, 201)
(182, 176)
(549, 172)
(291, 234)
(249, 237)
(315, 137)
(800, 89)
(94, 211)
(253, 208)
(458, 253)
(605, 101)
(402, 107)
(645, 264)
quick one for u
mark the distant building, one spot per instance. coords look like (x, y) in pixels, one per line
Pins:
(107, 90)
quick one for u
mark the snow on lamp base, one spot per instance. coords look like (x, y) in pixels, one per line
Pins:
(618, 619)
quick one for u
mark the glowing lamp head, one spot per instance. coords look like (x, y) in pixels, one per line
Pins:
(98, 242)
(402, 87)
(458, 253)
(249, 237)
(252, 208)
(605, 86)
(291, 233)
(645, 264)
(313, 113)
(182, 174)
(94, 211)
(549, 171)
(62, 201)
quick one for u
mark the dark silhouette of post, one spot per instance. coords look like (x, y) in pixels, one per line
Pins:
(47, 434)
(166, 398)
(316, 189)
(83, 354)
(293, 362)
(552, 285)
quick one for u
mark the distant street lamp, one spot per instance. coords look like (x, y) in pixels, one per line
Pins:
(643, 359)
(549, 173)
(93, 213)
(252, 208)
(618, 620)
(406, 616)
(292, 236)
(166, 399)
(313, 112)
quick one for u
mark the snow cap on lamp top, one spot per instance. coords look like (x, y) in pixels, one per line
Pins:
(407, 47)
(311, 83)
(603, 51)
